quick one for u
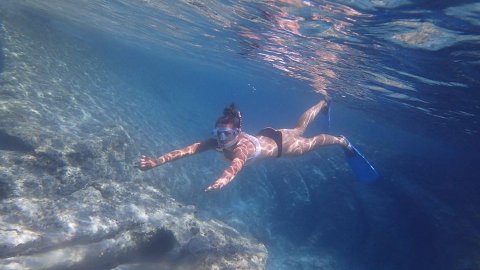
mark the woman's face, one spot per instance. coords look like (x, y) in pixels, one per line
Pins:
(226, 134)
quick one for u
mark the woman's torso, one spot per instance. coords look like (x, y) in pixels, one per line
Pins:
(250, 144)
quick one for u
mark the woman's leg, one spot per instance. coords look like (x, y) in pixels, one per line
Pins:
(308, 116)
(295, 146)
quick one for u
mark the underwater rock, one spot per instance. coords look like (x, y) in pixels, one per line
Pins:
(137, 224)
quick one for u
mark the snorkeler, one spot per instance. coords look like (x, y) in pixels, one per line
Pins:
(241, 148)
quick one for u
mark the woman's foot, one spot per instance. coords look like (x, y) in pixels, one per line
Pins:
(347, 146)
(326, 106)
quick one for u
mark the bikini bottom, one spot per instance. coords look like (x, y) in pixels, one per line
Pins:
(275, 135)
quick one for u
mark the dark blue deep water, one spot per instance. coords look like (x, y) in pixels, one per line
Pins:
(405, 88)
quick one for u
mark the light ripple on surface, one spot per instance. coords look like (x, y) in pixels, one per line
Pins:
(420, 34)
(467, 12)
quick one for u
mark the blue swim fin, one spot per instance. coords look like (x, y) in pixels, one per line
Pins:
(362, 169)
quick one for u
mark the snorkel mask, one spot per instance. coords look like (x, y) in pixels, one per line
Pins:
(226, 137)
(228, 127)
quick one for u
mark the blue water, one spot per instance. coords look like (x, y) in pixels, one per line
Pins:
(404, 78)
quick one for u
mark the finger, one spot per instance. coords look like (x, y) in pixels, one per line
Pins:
(141, 168)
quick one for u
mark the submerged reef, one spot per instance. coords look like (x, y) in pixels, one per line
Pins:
(70, 197)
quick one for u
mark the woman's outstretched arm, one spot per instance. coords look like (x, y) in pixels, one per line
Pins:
(147, 163)
(240, 157)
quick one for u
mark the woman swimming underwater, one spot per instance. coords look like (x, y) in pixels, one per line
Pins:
(240, 147)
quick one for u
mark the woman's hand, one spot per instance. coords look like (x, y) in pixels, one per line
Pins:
(220, 183)
(147, 163)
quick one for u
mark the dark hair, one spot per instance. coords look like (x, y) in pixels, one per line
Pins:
(231, 115)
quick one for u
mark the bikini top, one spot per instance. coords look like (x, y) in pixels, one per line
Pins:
(258, 147)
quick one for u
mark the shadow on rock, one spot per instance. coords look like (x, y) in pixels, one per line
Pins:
(2, 57)
(82, 154)
(12, 143)
(5, 189)
(51, 162)
(157, 244)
